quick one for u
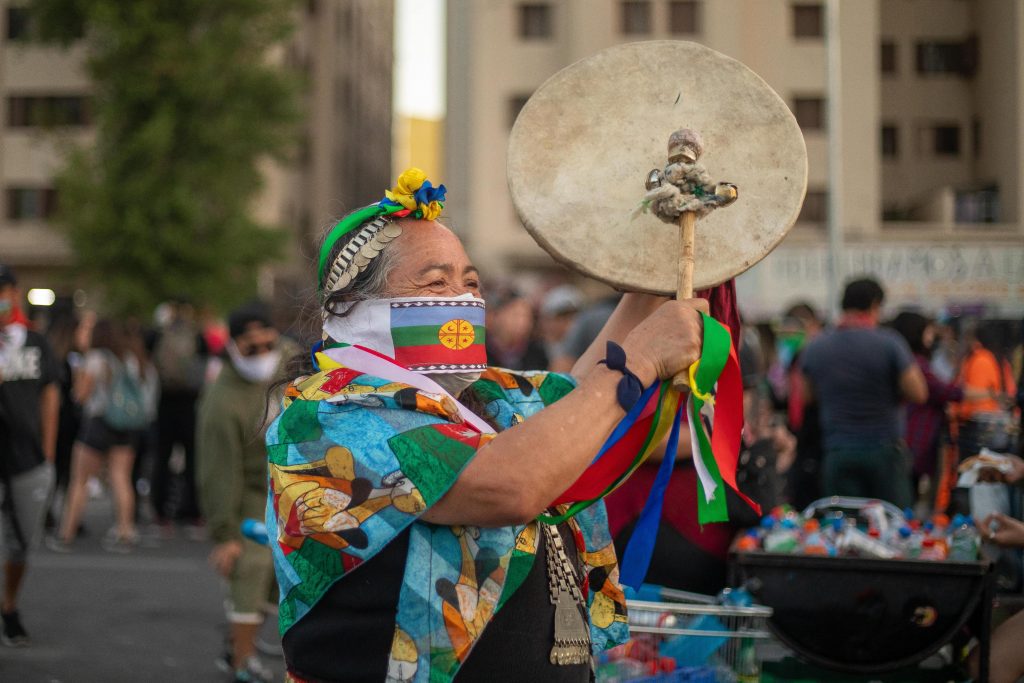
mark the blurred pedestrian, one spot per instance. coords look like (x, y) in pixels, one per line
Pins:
(989, 393)
(180, 356)
(584, 330)
(803, 481)
(232, 477)
(29, 405)
(112, 390)
(511, 340)
(63, 337)
(926, 423)
(558, 309)
(859, 374)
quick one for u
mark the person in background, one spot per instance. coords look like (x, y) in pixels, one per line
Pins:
(989, 393)
(29, 407)
(804, 477)
(859, 375)
(180, 356)
(584, 330)
(558, 310)
(511, 343)
(63, 338)
(114, 380)
(926, 422)
(232, 477)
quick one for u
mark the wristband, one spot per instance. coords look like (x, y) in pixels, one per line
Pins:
(630, 387)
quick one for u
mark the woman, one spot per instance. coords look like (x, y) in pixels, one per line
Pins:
(111, 372)
(404, 523)
(926, 422)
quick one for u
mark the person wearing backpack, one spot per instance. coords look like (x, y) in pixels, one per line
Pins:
(116, 390)
(180, 356)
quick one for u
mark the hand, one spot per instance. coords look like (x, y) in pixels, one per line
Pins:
(224, 555)
(668, 341)
(1002, 530)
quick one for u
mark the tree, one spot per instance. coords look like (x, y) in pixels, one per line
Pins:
(186, 106)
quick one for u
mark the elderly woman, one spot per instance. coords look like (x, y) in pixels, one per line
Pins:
(404, 510)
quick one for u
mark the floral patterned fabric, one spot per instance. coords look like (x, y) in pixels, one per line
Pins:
(356, 459)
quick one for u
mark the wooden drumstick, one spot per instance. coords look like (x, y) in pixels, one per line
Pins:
(687, 225)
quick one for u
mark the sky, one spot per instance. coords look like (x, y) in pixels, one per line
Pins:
(419, 58)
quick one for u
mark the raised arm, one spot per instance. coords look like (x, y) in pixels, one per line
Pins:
(514, 477)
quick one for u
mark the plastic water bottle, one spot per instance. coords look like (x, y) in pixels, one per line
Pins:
(814, 540)
(910, 543)
(932, 550)
(783, 538)
(965, 541)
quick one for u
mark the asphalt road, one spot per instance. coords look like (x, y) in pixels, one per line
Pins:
(154, 615)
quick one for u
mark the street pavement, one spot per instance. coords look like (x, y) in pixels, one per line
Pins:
(153, 615)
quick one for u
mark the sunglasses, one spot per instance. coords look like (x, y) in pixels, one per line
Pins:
(256, 349)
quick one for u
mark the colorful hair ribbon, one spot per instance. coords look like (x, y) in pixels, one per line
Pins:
(412, 196)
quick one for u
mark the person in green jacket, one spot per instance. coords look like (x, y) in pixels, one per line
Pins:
(232, 475)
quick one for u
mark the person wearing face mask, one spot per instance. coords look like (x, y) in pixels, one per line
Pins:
(29, 404)
(232, 476)
(410, 510)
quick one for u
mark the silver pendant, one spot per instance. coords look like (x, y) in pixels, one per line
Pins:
(572, 638)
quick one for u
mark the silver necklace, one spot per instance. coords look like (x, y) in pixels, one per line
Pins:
(572, 633)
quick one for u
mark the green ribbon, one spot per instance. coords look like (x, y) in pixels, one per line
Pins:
(714, 355)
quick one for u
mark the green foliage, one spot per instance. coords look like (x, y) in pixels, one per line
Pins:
(186, 106)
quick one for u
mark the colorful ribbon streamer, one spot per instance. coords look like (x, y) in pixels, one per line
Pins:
(714, 383)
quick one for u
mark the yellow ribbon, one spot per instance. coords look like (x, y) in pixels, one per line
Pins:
(708, 397)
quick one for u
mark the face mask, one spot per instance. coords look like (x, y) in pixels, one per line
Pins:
(433, 335)
(257, 369)
(5, 308)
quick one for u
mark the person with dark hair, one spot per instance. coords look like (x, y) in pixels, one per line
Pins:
(859, 374)
(989, 393)
(63, 337)
(926, 422)
(411, 507)
(29, 404)
(232, 476)
(117, 392)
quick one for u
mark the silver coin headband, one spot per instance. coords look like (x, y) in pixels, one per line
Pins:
(355, 256)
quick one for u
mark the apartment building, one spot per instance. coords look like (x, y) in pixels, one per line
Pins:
(929, 108)
(342, 47)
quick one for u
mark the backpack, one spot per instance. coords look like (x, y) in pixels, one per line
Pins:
(177, 359)
(126, 409)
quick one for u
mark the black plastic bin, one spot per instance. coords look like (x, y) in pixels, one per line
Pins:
(862, 615)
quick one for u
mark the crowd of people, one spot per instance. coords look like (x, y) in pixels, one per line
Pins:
(168, 418)
(172, 418)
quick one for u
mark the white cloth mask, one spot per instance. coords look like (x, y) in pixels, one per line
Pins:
(259, 368)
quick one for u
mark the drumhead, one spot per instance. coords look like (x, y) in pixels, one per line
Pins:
(583, 144)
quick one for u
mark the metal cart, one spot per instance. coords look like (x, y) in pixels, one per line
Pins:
(712, 643)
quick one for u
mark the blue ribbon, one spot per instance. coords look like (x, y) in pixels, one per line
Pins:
(637, 558)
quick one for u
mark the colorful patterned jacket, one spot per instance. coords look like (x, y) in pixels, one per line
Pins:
(356, 459)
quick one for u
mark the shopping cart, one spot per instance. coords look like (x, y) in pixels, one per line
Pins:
(687, 638)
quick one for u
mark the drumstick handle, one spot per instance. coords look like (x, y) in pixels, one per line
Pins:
(687, 223)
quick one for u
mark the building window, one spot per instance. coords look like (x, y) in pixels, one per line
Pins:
(890, 142)
(30, 203)
(18, 23)
(888, 57)
(515, 105)
(808, 20)
(809, 112)
(636, 17)
(47, 111)
(946, 140)
(535, 21)
(941, 58)
(684, 17)
(815, 208)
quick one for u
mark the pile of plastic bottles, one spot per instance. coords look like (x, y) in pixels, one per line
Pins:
(870, 532)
